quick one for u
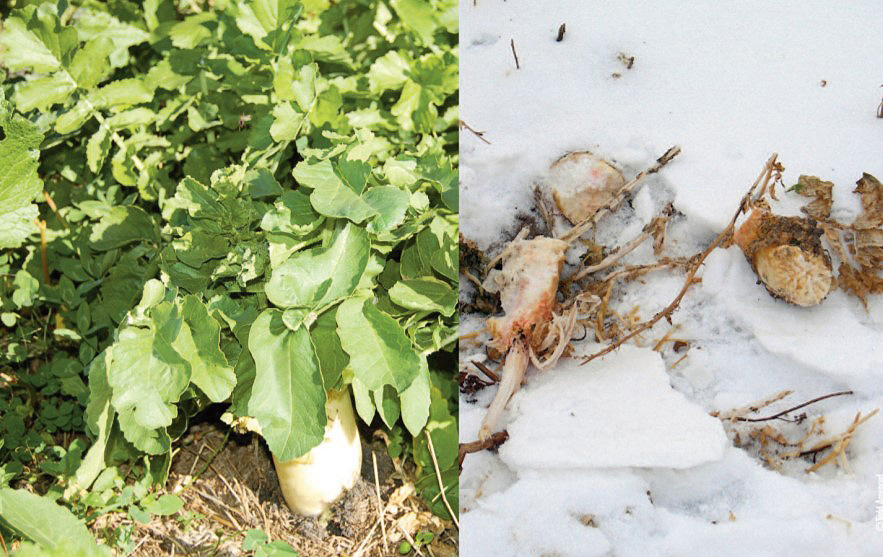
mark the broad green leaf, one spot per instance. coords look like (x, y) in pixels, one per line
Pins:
(17, 225)
(380, 353)
(193, 30)
(321, 276)
(364, 404)
(425, 294)
(98, 24)
(99, 418)
(97, 148)
(73, 119)
(386, 400)
(391, 203)
(317, 176)
(146, 374)
(48, 524)
(339, 201)
(332, 359)
(166, 505)
(272, 14)
(19, 182)
(91, 63)
(123, 92)
(43, 92)
(415, 401)
(39, 45)
(388, 72)
(287, 397)
(292, 214)
(287, 122)
(418, 16)
(198, 342)
(121, 226)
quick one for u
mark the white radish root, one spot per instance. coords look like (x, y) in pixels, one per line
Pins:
(513, 375)
(313, 482)
(528, 284)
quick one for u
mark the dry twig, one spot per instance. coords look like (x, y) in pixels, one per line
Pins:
(491, 442)
(762, 180)
(478, 134)
(515, 54)
(441, 484)
(580, 228)
(380, 509)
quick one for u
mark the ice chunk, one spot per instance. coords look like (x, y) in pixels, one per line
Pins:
(616, 411)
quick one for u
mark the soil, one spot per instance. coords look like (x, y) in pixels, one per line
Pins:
(237, 491)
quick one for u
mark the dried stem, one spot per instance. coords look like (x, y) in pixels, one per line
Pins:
(491, 442)
(380, 509)
(762, 180)
(441, 484)
(611, 259)
(44, 250)
(478, 134)
(514, 54)
(580, 228)
(798, 407)
(487, 371)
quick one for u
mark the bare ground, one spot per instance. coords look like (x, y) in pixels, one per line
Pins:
(238, 491)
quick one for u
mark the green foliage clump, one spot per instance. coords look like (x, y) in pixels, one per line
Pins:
(240, 202)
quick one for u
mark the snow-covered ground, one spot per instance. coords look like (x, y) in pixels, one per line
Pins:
(620, 456)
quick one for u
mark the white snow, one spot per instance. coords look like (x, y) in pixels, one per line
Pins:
(640, 468)
(577, 417)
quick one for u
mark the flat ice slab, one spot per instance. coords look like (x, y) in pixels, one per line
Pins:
(616, 411)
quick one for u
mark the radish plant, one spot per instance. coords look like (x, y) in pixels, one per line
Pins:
(253, 205)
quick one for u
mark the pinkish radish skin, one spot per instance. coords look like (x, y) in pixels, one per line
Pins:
(311, 483)
(583, 183)
(528, 283)
(513, 375)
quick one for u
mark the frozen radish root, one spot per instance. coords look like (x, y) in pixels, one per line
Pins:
(582, 183)
(527, 285)
(787, 255)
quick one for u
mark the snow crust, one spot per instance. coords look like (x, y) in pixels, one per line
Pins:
(578, 416)
(641, 469)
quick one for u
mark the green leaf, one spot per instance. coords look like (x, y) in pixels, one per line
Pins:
(391, 203)
(287, 397)
(272, 14)
(198, 342)
(417, 15)
(91, 63)
(287, 122)
(332, 359)
(388, 72)
(425, 294)
(124, 92)
(49, 525)
(17, 225)
(97, 148)
(386, 400)
(166, 505)
(36, 43)
(364, 403)
(122, 225)
(73, 119)
(43, 92)
(19, 183)
(415, 401)
(146, 374)
(292, 214)
(380, 353)
(321, 276)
